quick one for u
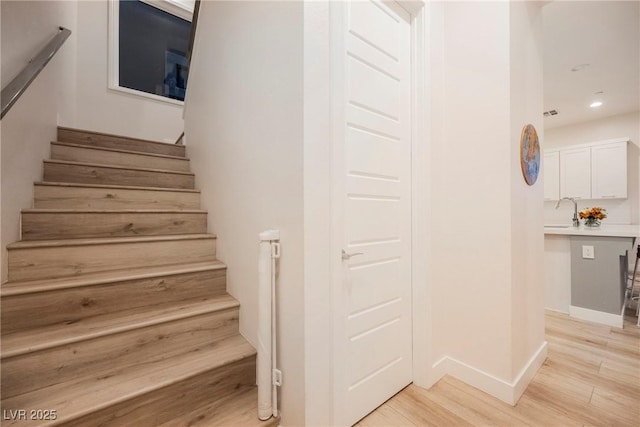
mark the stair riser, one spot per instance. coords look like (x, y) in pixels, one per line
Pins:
(74, 304)
(59, 197)
(80, 174)
(89, 155)
(51, 262)
(72, 225)
(122, 143)
(31, 371)
(232, 411)
(158, 406)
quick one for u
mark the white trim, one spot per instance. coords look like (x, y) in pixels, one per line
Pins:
(438, 371)
(528, 371)
(113, 64)
(589, 144)
(508, 392)
(337, 15)
(420, 301)
(414, 7)
(172, 7)
(151, 96)
(556, 310)
(616, 320)
(114, 51)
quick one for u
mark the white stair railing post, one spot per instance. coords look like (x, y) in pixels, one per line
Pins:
(268, 376)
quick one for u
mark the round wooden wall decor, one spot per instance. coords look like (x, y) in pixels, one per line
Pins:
(529, 154)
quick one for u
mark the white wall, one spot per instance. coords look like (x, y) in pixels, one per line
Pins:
(101, 109)
(486, 222)
(71, 91)
(471, 193)
(248, 129)
(245, 138)
(623, 125)
(527, 242)
(318, 308)
(30, 125)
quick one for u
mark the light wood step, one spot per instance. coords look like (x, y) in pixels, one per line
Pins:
(87, 173)
(236, 410)
(45, 356)
(111, 156)
(59, 195)
(69, 300)
(48, 259)
(98, 139)
(147, 394)
(41, 224)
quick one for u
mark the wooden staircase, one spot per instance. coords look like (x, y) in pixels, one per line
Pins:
(115, 311)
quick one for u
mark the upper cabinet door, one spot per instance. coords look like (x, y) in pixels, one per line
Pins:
(551, 175)
(609, 171)
(575, 173)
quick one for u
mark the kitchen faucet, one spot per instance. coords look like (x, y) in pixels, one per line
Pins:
(576, 222)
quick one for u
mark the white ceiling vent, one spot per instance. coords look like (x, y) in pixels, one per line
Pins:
(550, 113)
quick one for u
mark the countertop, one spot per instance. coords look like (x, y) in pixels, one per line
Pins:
(605, 230)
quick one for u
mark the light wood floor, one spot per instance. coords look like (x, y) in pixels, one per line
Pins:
(590, 378)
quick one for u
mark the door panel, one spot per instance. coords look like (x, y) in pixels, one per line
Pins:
(384, 100)
(370, 290)
(382, 155)
(368, 219)
(373, 344)
(378, 26)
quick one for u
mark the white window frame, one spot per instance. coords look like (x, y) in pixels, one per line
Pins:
(174, 7)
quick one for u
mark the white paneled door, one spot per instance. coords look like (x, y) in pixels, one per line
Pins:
(373, 337)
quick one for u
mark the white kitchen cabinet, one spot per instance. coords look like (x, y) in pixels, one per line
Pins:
(551, 175)
(609, 171)
(575, 173)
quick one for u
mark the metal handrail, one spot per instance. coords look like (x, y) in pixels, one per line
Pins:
(12, 92)
(179, 140)
(194, 25)
(192, 39)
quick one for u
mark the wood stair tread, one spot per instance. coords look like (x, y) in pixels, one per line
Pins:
(108, 166)
(242, 411)
(114, 186)
(23, 342)
(90, 279)
(64, 128)
(111, 328)
(114, 211)
(104, 240)
(117, 150)
(84, 396)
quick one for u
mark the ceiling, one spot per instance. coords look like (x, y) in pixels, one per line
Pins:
(604, 34)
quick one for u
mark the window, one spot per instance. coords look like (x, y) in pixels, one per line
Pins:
(148, 48)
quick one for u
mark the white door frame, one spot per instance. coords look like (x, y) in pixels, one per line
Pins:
(421, 324)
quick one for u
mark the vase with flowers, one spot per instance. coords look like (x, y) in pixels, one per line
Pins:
(593, 216)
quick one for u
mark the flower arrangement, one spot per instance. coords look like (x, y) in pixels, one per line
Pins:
(593, 216)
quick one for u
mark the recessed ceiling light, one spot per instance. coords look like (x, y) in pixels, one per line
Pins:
(595, 104)
(579, 67)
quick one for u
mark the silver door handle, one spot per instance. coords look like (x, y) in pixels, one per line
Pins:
(346, 256)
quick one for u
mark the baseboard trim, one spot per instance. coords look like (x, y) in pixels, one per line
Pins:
(601, 317)
(438, 371)
(528, 371)
(557, 310)
(508, 392)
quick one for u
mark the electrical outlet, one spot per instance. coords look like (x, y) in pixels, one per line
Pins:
(588, 252)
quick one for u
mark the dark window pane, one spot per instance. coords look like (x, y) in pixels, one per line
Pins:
(153, 50)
